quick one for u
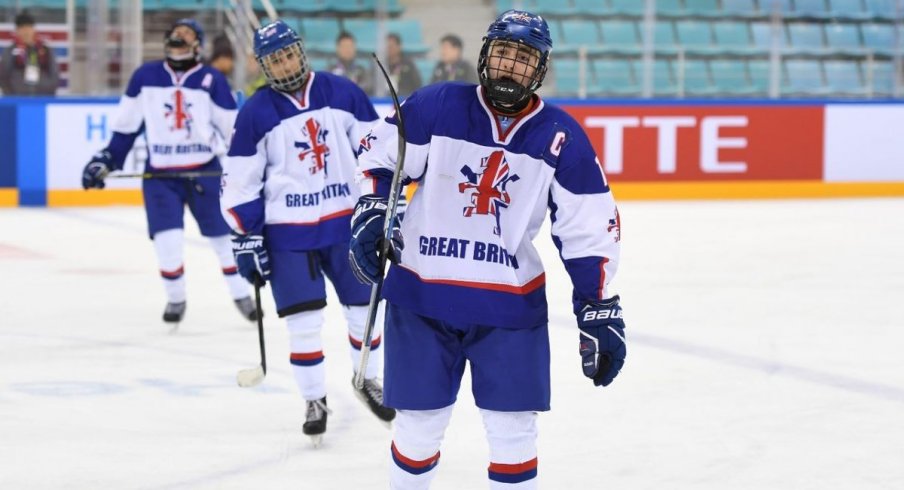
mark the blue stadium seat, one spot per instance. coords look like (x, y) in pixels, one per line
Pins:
(664, 40)
(613, 77)
(783, 7)
(695, 37)
(730, 77)
(668, 8)
(733, 38)
(320, 33)
(760, 75)
(558, 39)
(810, 9)
(696, 77)
(743, 9)
(620, 37)
(663, 80)
(844, 39)
(702, 8)
(881, 9)
(582, 33)
(848, 10)
(410, 32)
(804, 78)
(843, 77)
(879, 38)
(881, 78)
(806, 38)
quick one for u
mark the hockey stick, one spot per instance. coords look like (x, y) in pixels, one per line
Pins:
(253, 376)
(167, 175)
(392, 204)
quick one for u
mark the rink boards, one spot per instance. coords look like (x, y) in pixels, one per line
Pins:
(658, 149)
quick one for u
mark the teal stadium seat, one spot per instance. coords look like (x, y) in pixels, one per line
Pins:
(759, 73)
(620, 37)
(663, 80)
(695, 37)
(702, 8)
(879, 39)
(365, 32)
(320, 33)
(804, 78)
(806, 38)
(743, 9)
(410, 32)
(567, 77)
(633, 8)
(582, 33)
(730, 77)
(318, 63)
(558, 39)
(504, 5)
(733, 38)
(300, 6)
(696, 78)
(592, 8)
(762, 35)
(783, 7)
(664, 41)
(552, 8)
(613, 77)
(844, 39)
(668, 8)
(425, 69)
(848, 10)
(843, 77)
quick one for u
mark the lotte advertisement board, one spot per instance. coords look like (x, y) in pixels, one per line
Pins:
(705, 143)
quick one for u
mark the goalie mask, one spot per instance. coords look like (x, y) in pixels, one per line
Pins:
(513, 59)
(182, 44)
(280, 54)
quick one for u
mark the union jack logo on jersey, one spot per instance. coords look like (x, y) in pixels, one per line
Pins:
(615, 225)
(315, 147)
(488, 193)
(178, 110)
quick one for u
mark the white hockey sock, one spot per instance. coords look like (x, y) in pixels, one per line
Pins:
(513, 449)
(356, 316)
(222, 246)
(168, 246)
(307, 353)
(417, 436)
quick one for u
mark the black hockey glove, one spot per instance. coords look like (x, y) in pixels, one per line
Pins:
(602, 337)
(98, 168)
(251, 258)
(367, 238)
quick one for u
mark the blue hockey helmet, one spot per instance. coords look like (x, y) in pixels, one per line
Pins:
(173, 45)
(276, 45)
(514, 58)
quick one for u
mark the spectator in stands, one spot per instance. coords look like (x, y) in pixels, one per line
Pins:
(404, 73)
(223, 57)
(28, 66)
(345, 63)
(451, 66)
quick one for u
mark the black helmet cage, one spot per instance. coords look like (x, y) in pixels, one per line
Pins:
(289, 82)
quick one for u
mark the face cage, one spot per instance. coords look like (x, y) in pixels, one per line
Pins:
(504, 89)
(292, 82)
(192, 55)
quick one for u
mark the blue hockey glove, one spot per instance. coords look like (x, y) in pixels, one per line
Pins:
(251, 258)
(367, 238)
(98, 168)
(602, 340)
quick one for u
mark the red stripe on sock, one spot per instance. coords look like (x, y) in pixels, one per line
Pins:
(173, 274)
(413, 462)
(513, 469)
(306, 356)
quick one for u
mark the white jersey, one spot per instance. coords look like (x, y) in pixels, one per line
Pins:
(291, 164)
(180, 114)
(483, 193)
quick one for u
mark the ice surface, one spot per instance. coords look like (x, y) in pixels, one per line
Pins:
(765, 351)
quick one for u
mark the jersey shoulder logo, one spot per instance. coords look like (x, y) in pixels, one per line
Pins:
(615, 226)
(365, 143)
(178, 113)
(315, 147)
(488, 187)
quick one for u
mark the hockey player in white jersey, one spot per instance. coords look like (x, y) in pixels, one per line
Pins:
(288, 193)
(469, 287)
(179, 104)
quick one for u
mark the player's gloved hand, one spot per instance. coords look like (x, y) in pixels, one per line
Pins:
(98, 168)
(367, 238)
(602, 340)
(251, 258)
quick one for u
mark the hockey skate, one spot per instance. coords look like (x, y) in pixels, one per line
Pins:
(371, 394)
(315, 420)
(174, 313)
(246, 308)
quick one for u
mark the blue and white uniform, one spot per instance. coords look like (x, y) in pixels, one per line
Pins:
(180, 115)
(289, 176)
